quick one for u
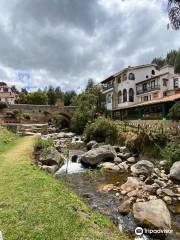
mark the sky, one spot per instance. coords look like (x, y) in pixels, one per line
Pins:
(66, 42)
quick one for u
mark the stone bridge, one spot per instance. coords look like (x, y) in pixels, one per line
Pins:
(41, 113)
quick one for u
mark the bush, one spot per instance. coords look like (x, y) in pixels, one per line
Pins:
(171, 153)
(26, 116)
(59, 121)
(174, 112)
(16, 113)
(42, 144)
(3, 105)
(102, 130)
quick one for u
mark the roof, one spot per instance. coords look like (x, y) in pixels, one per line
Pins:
(3, 84)
(154, 77)
(155, 101)
(135, 67)
(108, 79)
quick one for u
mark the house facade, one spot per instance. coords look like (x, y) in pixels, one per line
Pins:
(133, 87)
(6, 94)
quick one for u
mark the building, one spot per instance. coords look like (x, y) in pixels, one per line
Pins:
(135, 87)
(7, 95)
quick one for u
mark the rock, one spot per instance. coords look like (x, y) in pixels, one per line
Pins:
(167, 199)
(107, 166)
(152, 197)
(153, 213)
(150, 188)
(160, 183)
(132, 183)
(118, 160)
(50, 169)
(123, 149)
(106, 188)
(168, 192)
(162, 163)
(124, 155)
(131, 160)
(50, 157)
(90, 144)
(125, 207)
(133, 193)
(123, 167)
(142, 167)
(98, 155)
(175, 171)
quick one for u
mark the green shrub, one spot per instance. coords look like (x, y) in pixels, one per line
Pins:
(171, 153)
(26, 116)
(41, 144)
(174, 112)
(3, 105)
(59, 121)
(16, 113)
(46, 113)
(102, 130)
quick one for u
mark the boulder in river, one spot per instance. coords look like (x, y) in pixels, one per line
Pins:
(132, 183)
(108, 166)
(50, 157)
(153, 213)
(144, 167)
(175, 171)
(90, 144)
(98, 155)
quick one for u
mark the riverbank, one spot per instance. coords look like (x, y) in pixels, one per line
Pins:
(33, 205)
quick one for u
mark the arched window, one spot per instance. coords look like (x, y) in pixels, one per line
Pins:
(124, 95)
(131, 95)
(131, 76)
(153, 72)
(124, 77)
(119, 97)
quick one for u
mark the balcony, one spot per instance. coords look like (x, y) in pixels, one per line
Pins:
(107, 86)
(147, 89)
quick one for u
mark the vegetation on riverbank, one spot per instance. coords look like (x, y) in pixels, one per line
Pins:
(7, 139)
(35, 206)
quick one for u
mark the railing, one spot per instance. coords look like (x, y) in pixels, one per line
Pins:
(109, 86)
(148, 89)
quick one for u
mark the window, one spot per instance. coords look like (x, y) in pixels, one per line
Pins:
(176, 83)
(119, 79)
(131, 95)
(165, 82)
(153, 72)
(145, 87)
(124, 77)
(119, 97)
(131, 76)
(153, 84)
(124, 95)
(147, 76)
(145, 98)
(109, 98)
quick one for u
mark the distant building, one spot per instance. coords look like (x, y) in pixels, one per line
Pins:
(134, 87)
(7, 95)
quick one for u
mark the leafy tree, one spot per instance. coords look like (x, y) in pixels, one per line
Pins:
(90, 84)
(68, 96)
(177, 63)
(23, 99)
(174, 13)
(174, 112)
(52, 96)
(37, 98)
(171, 57)
(101, 99)
(159, 61)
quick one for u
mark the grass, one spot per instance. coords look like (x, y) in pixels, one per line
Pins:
(34, 206)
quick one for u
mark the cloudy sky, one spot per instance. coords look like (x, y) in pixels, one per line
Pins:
(66, 42)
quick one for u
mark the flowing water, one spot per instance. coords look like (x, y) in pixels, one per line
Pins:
(90, 185)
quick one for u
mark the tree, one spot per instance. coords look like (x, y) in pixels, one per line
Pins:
(90, 84)
(68, 96)
(177, 63)
(171, 57)
(52, 96)
(159, 61)
(174, 112)
(174, 13)
(23, 98)
(101, 99)
(37, 98)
